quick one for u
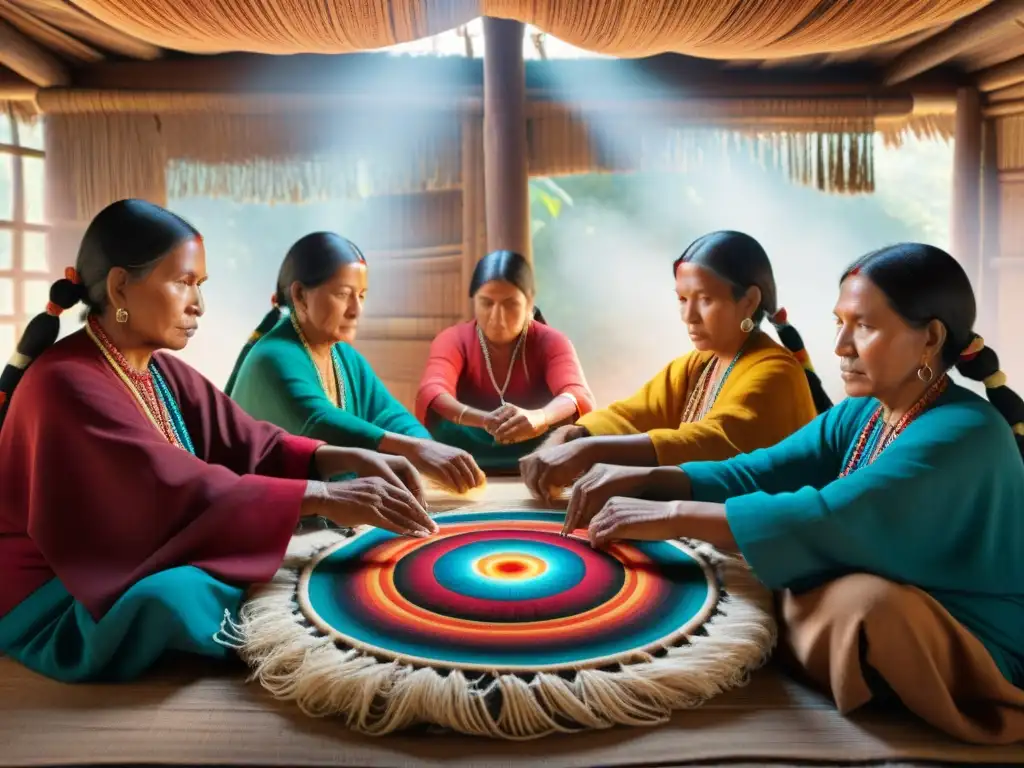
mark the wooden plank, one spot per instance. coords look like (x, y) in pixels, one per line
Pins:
(965, 33)
(1002, 75)
(31, 61)
(48, 35)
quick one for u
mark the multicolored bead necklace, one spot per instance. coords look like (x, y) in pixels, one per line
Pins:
(871, 442)
(149, 388)
(703, 398)
(338, 397)
(511, 363)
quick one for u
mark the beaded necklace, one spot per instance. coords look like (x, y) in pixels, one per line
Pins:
(511, 363)
(871, 442)
(337, 397)
(149, 388)
(703, 398)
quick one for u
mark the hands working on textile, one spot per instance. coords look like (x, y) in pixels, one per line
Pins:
(396, 470)
(453, 468)
(509, 424)
(552, 468)
(368, 501)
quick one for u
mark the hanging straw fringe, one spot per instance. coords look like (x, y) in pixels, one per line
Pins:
(297, 662)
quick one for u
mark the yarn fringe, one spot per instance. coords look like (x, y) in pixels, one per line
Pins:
(296, 662)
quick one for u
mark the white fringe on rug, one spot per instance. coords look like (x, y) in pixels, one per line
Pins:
(295, 662)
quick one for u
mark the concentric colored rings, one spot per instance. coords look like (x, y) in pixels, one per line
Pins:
(503, 591)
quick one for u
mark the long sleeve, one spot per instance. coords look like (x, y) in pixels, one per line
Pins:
(225, 434)
(758, 406)
(278, 384)
(811, 456)
(375, 403)
(564, 374)
(940, 509)
(441, 375)
(657, 405)
(106, 500)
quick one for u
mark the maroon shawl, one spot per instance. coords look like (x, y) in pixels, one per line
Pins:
(93, 494)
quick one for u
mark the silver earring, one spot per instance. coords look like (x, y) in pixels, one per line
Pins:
(925, 373)
(747, 325)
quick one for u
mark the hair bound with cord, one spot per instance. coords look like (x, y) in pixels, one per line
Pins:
(310, 262)
(130, 234)
(923, 284)
(741, 261)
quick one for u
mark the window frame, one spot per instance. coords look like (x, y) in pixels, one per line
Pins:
(18, 275)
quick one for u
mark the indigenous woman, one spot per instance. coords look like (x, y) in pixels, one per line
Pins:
(301, 372)
(737, 391)
(138, 501)
(497, 384)
(892, 524)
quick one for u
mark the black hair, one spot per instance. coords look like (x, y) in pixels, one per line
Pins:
(311, 262)
(509, 267)
(741, 261)
(133, 235)
(923, 283)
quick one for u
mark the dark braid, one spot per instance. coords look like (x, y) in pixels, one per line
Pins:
(981, 363)
(924, 283)
(311, 262)
(130, 234)
(740, 260)
(39, 335)
(791, 340)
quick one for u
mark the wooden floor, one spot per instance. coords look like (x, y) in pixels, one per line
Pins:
(197, 713)
(191, 712)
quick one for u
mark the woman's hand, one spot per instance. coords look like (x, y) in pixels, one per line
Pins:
(563, 435)
(547, 471)
(623, 518)
(453, 468)
(597, 486)
(511, 424)
(397, 470)
(368, 501)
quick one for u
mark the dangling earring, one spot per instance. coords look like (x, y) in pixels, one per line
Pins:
(925, 373)
(121, 315)
(747, 325)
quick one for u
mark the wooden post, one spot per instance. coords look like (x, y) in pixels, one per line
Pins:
(506, 172)
(965, 227)
(987, 291)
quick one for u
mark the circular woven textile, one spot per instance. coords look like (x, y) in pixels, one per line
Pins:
(501, 626)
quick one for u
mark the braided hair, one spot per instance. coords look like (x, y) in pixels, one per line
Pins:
(924, 283)
(311, 262)
(133, 235)
(740, 260)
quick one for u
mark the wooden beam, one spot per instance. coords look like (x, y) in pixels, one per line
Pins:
(29, 60)
(1010, 93)
(954, 41)
(1001, 75)
(14, 87)
(1004, 108)
(47, 34)
(65, 16)
(965, 221)
(506, 169)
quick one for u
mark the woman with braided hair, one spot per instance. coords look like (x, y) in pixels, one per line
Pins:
(892, 525)
(737, 391)
(138, 501)
(300, 371)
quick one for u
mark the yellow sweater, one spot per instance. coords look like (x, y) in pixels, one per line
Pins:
(765, 399)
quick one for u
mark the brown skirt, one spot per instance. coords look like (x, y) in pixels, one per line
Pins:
(861, 635)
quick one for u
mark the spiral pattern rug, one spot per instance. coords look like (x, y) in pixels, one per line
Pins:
(501, 626)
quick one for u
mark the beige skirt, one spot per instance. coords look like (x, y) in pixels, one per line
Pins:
(861, 627)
